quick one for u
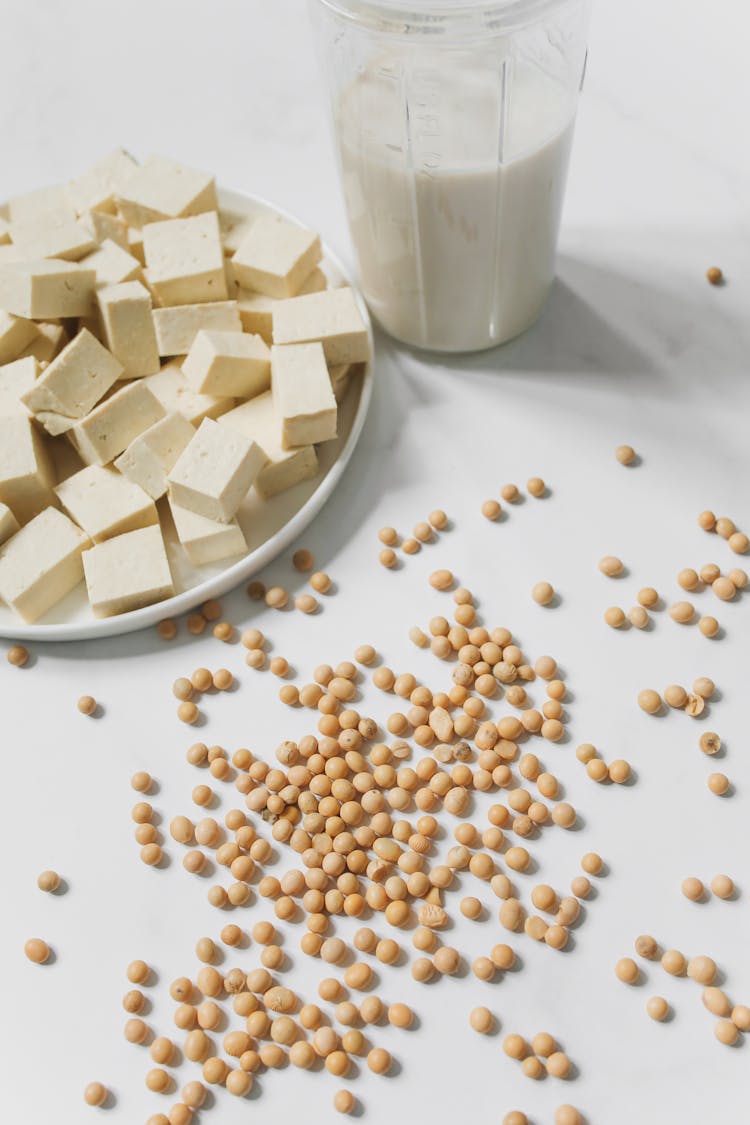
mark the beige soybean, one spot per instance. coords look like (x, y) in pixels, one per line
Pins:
(515, 1046)
(673, 962)
(726, 1032)
(615, 617)
(722, 886)
(682, 612)
(627, 971)
(718, 783)
(543, 593)
(692, 888)
(611, 566)
(657, 1008)
(649, 701)
(702, 969)
(716, 1001)
(482, 1020)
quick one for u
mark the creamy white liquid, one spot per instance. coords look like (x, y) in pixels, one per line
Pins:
(454, 189)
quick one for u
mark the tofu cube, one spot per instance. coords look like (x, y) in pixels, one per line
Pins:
(9, 525)
(257, 419)
(113, 265)
(41, 564)
(205, 541)
(256, 309)
(104, 226)
(54, 236)
(164, 189)
(16, 333)
(228, 364)
(105, 504)
(127, 572)
(135, 244)
(340, 376)
(177, 326)
(276, 256)
(51, 337)
(215, 471)
(26, 471)
(185, 261)
(302, 394)
(41, 204)
(111, 426)
(74, 382)
(235, 226)
(95, 189)
(44, 290)
(175, 393)
(128, 325)
(332, 317)
(15, 379)
(149, 458)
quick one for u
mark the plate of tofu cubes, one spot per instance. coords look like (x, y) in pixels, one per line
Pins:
(184, 374)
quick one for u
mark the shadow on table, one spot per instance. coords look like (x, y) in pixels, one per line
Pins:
(600, 329)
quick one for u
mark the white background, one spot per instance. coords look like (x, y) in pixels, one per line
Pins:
(634, 346)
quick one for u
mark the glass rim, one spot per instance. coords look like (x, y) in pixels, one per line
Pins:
(440, 16)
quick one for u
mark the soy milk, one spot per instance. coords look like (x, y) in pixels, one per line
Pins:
(454, 193)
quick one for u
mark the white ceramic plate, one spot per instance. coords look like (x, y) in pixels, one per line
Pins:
(270, 526)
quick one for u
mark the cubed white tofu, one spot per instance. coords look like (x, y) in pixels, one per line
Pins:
(228, 364)
(75, 380)
(51, 337)
(104, 226)
(276, 256)
(113, 265)
(256, 309)
(128, 325)
(52, 237)
(135, 244)
(185, 261)
(16, 333)
(41, 564)
(9, 525)
(46, 289)
(96, 188)
(340, 375)
(235, 226)
(149, 458)
(257, 419)
(111, 426)
(175, 393)
(302, 394)
(205, 540)
(177, 326)
(331, 317)
(215, 471)
(164, 189)
(105, 503)
(26, 471)
(127, 572)
(15, 379)
(40, 204)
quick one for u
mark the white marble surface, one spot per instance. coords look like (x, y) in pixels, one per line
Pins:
(634, 346)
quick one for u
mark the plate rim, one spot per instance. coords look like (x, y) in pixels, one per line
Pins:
(261, 556)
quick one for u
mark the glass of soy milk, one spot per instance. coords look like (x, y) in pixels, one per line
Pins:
(453, 122)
